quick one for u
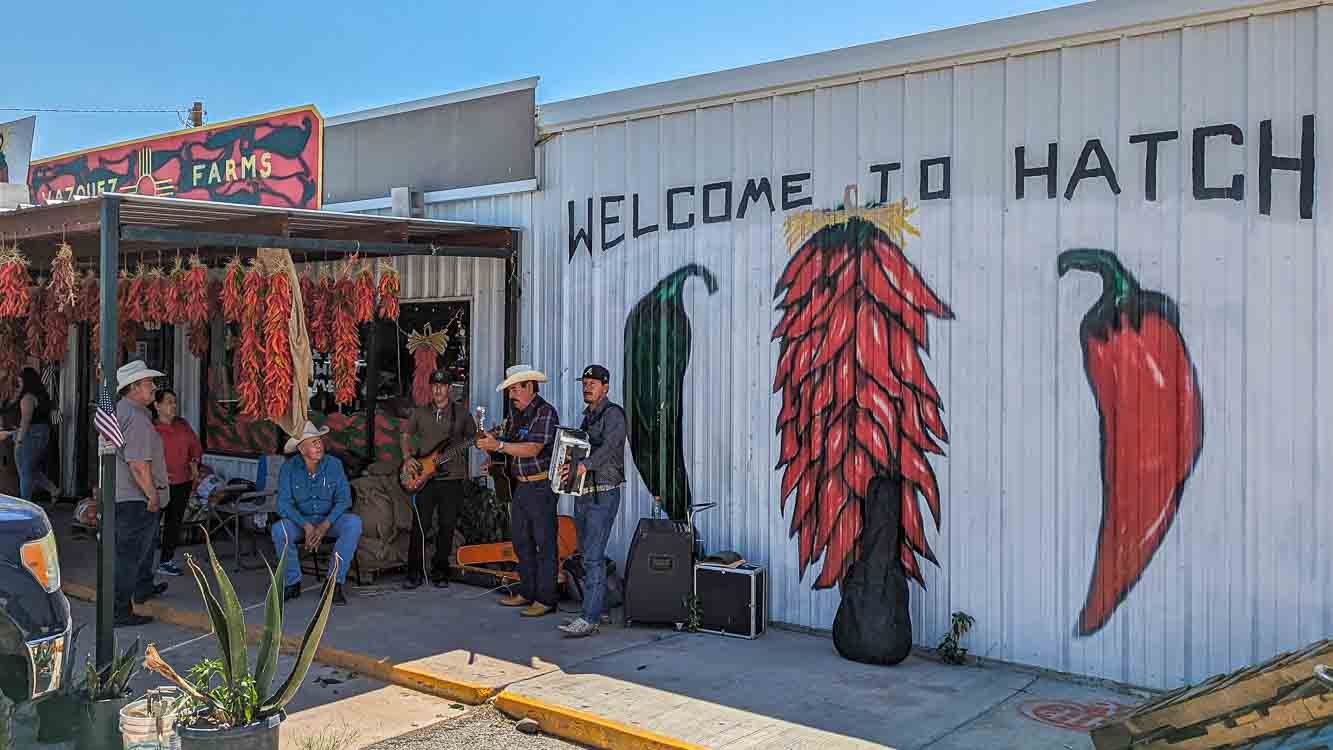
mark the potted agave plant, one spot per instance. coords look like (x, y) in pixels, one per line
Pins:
(226, 705)
(103, 694)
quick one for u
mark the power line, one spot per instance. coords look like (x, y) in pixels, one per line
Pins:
(94, 110)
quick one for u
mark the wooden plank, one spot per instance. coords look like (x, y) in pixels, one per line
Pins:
(274, 224)
(51, 222)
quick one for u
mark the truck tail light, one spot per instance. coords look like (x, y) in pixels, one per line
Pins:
(40, 558)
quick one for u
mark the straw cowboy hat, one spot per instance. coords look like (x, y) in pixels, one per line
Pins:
(310, 431)
(133, 372)
(520, 374)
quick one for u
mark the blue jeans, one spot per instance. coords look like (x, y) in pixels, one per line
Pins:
(29, 457)
(136, 537)
(594, 515)
(346, 532)
(532, 525)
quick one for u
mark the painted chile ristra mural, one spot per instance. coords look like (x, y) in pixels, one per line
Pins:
(860, 413)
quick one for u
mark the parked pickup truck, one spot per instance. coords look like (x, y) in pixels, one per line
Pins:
(34, 613)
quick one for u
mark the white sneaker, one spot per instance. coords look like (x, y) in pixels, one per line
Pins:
(579, 628)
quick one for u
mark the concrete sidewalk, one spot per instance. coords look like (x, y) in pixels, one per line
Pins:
(646, 687)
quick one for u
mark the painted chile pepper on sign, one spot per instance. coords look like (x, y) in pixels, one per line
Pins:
(1147, 394)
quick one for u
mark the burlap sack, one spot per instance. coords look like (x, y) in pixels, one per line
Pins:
(386, 521)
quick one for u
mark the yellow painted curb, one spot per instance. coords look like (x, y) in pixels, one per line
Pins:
(380, 668)
(428, 682)
(586, 728)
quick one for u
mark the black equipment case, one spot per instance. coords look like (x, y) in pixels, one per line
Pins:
(732, 601)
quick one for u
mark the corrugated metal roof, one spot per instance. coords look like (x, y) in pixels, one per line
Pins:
(1024, 34)
(41, 228)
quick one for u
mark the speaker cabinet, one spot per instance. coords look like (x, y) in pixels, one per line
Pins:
(732, 601)
(659, 572)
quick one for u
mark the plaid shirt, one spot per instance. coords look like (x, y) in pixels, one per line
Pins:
(535, 424)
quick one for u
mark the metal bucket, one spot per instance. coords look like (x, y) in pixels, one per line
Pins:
(150, 722)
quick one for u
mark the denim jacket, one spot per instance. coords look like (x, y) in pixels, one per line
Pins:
(605, 424)
(305, 498)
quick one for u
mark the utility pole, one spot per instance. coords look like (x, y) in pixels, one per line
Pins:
(197, 115)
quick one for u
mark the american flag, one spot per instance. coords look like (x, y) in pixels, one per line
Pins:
(105, 420)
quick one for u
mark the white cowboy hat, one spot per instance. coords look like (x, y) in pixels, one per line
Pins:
(309, 431)
(133, 372)
(520, 374)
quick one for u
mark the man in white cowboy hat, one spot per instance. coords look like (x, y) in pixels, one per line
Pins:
(141, 486)
(314, 501)
(526, 446)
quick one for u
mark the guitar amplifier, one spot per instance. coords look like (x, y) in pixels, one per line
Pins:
(658, 572)
(732, 601)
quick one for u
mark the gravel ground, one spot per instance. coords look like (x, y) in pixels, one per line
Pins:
(482, 727)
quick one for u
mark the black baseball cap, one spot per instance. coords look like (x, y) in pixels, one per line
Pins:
(440, 376)
(596, 372)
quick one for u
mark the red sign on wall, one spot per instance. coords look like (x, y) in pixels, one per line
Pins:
(271, 160)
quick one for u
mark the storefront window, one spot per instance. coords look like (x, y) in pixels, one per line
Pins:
(402, 381)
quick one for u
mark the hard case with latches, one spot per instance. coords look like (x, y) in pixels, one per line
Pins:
(732, 601)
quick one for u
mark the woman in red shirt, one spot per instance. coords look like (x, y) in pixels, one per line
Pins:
(181, 449)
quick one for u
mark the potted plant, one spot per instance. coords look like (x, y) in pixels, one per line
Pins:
(225, 703)
(53, 713)
(104, 693)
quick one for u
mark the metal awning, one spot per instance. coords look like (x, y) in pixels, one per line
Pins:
(103, 230)
(214, 229)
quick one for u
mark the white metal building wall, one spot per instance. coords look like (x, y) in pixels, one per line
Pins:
(1242, 573)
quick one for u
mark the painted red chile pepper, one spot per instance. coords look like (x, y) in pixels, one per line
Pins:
(1147, 394)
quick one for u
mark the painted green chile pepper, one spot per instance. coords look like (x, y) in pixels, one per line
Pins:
(657, 352)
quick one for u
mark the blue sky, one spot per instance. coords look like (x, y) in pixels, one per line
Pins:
(243, 58)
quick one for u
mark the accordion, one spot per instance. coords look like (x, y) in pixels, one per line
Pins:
(571, 446)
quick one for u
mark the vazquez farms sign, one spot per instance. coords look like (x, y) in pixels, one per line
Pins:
(270, 160)
(724, 200)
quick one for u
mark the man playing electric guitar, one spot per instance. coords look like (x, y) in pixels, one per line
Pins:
(440, 426)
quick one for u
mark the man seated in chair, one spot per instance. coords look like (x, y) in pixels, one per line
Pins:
(314, 501)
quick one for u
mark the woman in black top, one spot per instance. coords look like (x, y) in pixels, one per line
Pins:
(32, 436)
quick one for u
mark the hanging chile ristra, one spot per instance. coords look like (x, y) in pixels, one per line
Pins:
(318, 323)
(14, 283)
(389, 289)
(154, 290)
(657, 353)
(277, 347)
(130, 297)
(195, 292)
(89, 299)
(173, 294)
(63, 287)
(346, 340)
(250, 350)
(307, 285)
(363, 298)
(34, 325)
(233, 290)
(10, 347)
(1147, 394)
(424, 346)
(200, 336)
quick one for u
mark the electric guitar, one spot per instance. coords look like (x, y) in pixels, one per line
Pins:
(504, 488)
(433, 463)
